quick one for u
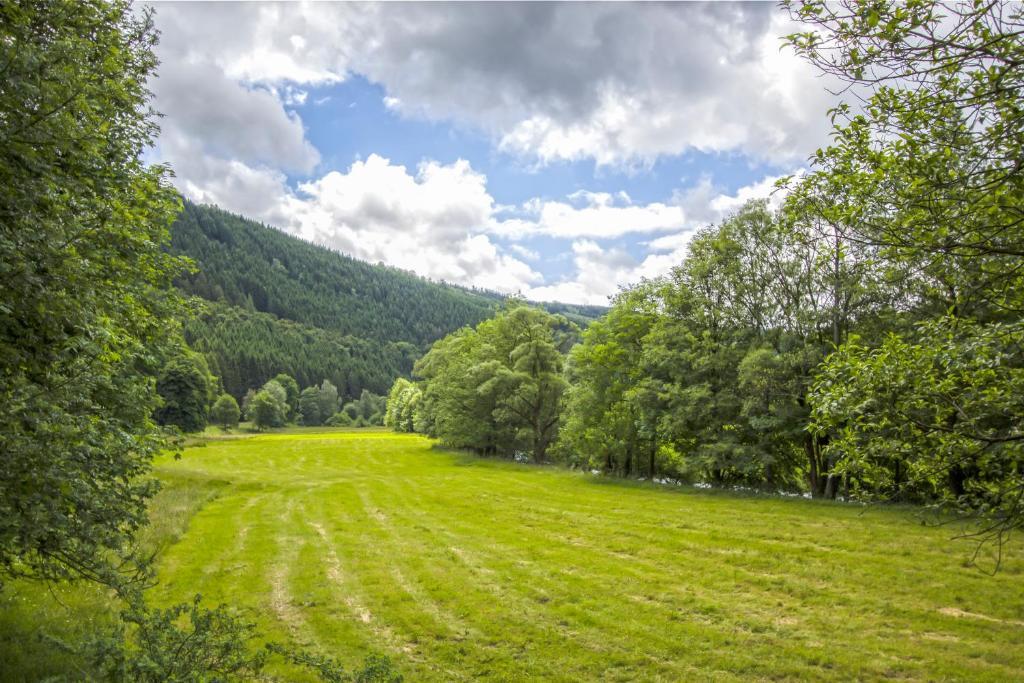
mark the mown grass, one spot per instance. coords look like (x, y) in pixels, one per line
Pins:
(33, 615)
(461, 568)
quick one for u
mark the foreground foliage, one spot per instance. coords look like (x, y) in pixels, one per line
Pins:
(925, 170)
(84, 285)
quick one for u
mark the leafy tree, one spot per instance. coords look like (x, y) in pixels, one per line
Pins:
(279, 393)
(247, 404)
(328, 399)
(86, 320)
(84, 284)
(607, 424)
(184, 385)
(498, 388)
(340, 419)
(927, 171)
(309, 407)
(370, 407)
(402, 403)
(267, 409)
(225, 411)
(291, 390)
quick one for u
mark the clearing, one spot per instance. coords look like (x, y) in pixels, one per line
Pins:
(461, 568)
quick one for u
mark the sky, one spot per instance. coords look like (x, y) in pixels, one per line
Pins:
(559, 151)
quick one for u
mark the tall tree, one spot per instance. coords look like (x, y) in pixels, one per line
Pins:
(926, 167)
(498, 388)
(309, 407)
(184, 385)
(607, 424)
(84, 297)
(291, 390)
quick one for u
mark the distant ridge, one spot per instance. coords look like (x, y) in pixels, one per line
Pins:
(291, 293)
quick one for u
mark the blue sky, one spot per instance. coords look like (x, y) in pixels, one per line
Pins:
(561, 151)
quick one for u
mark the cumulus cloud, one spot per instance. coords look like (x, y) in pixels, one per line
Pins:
(600, 272)
(611, 82)
(431, 221)
(550, 81)
(229, 120)
(587, 214)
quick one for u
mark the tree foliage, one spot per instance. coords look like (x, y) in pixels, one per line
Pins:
(84, 284)
(925, 167)
(185, 387)
(496, 388)
(188, 643)
(225, 411)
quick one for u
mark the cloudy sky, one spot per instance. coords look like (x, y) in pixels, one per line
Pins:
(557, 150)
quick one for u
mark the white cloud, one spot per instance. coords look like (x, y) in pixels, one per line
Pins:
(229, 120)
(524, 252)
(432, 222)
(613, 83)
(620, 84)
(609, 82)
(601, 272)
(599, 217)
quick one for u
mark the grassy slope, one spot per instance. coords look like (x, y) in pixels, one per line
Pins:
(461, 568)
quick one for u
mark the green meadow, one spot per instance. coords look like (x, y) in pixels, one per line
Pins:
(460, 568)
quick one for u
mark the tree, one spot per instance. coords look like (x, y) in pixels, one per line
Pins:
(291, 390)
(225, 411)
(267, 410)
(402, 403)
(328, 399)
(606, 424)
(309, 407)
(925, 167)
(247, 404)
(86, 307)
(184, 385)
(497, 388)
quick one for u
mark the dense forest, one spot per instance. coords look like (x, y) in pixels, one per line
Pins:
(245, 348)
(243, 263)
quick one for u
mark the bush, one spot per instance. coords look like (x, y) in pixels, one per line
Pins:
(188, 642)
(340, 419)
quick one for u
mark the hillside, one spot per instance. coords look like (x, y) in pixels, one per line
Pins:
(246, 264)
(281, 304)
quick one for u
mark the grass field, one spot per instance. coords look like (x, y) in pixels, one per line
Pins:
(460, 568)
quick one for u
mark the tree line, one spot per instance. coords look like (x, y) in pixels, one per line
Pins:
(191, 397)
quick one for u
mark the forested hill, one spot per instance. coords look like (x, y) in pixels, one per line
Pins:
(246, 264)
(317, 299)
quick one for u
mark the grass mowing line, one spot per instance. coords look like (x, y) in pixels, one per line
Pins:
(823, 585)
(404, 649)
(541, 613)
(281, 600)
(419, 594)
